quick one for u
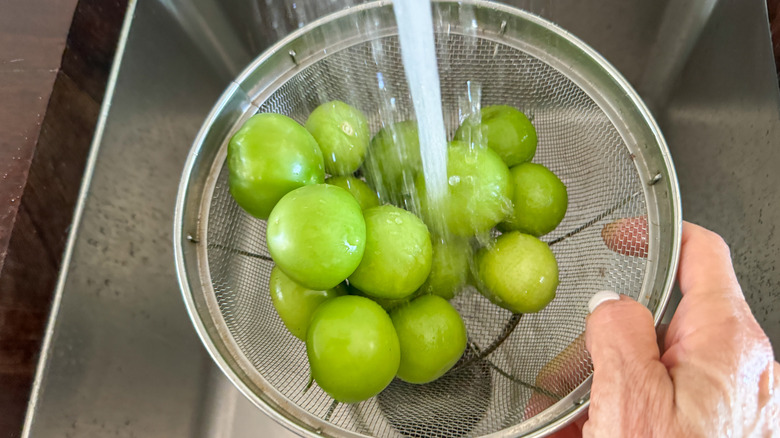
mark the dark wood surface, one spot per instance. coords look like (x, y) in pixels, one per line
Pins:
(54, 63)
(32, 37)
(53, 74)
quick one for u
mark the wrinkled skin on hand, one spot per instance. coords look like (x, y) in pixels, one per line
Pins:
(715, 374)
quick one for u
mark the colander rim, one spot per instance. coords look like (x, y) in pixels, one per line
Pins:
(182, 237)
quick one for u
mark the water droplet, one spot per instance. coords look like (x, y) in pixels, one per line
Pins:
(380, 79)
(398, 220)
(453, 180)
(346, 128)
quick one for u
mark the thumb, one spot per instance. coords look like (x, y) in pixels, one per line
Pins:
(619, 331)
(628, 377)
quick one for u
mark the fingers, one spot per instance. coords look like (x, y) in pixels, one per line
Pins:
(558, 376)
(705, 275)
(716, 353)
(630, 384)
(713, 307)
(769, 387)
(627, 236)
(705, 272)
(620, 333)
(705, 263)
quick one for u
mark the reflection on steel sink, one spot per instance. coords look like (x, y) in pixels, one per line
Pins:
(121, 357)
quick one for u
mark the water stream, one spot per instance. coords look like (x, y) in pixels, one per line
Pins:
(418, 52)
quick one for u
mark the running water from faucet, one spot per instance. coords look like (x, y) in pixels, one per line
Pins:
(418, 52)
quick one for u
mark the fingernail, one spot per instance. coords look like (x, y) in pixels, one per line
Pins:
(600, 297)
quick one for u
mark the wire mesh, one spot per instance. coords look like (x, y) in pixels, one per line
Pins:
(543, 357)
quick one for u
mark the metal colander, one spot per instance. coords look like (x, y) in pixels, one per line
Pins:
(519, 375)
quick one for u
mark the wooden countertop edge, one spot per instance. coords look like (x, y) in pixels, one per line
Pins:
(46, 140)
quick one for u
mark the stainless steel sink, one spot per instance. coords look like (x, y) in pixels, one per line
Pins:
(121, 357)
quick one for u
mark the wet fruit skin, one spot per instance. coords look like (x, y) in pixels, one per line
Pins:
(539, 200)
(342, 133)
(397, 258)
(449, 268)
(517, 272)
(506, 130)
(432, 336)
(363, 194)
(295, 304)
(393, 160)
(479, 191)
(268, 157)
(316, 235)
(353, 348)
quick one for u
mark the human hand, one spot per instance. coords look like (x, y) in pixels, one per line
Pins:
(717, 375)
(628, 237)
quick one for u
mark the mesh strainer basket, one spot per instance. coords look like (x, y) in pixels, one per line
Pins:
(519, 376)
